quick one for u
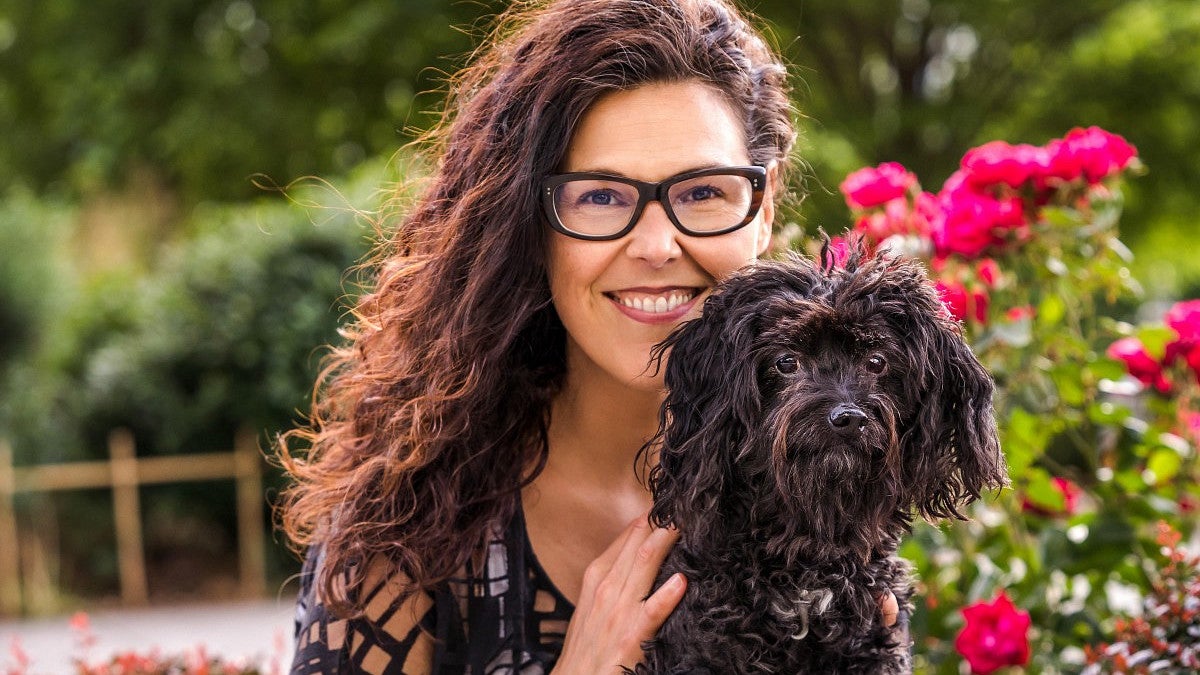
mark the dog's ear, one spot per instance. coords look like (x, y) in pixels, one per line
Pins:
(714, 400)
(950, 449)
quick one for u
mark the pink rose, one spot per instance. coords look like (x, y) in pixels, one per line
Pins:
(988, 271)
(1097, 153)
(840, 248)
(996, 635)
(998, 163)
(1184, 319)
(973, 224)
(961, 303)
(1022, 313)
(1139, 363)
(870, 187)
(896, 217)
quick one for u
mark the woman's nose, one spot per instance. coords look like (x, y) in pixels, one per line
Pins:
(654, 238)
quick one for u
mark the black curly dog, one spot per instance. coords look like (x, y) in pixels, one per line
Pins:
(811, 411)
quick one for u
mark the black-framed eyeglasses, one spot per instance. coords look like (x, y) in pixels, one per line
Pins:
(704, 203)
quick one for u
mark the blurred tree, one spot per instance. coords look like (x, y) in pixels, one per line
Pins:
(208, 93)
(918, 81)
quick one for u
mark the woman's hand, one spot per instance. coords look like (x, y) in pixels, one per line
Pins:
(614, 616)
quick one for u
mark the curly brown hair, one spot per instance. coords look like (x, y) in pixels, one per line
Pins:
(427, 423)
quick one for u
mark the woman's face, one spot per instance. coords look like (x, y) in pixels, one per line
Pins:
(618, 298)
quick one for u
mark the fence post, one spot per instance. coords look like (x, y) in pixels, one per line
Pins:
(251, 555)
(127, 517)
(10, 561)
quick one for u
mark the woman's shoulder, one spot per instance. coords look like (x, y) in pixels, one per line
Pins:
(392, 634)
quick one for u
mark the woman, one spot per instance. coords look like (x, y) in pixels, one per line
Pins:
(469, 500)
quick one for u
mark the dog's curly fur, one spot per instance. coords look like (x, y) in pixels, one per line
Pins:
(812, 410)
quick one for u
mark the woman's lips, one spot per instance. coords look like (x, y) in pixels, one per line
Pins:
(662, 305)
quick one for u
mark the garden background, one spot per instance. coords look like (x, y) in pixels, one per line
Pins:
(153, 277)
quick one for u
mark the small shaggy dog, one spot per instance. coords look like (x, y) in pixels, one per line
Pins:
(811, 410)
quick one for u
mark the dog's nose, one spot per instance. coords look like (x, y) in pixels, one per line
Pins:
(847, 419)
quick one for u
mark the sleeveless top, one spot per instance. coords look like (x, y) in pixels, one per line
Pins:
(506, 617)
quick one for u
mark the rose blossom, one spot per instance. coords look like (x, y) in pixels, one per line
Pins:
(973, 223)
(998, 163)
(1095, 153)
(1184, 319)
(869, 187)
(897, 217)
(1139, 363)
(996, 635)
(959, 303)
(841, 249)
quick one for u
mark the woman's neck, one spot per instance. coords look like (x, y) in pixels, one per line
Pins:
(598, 424)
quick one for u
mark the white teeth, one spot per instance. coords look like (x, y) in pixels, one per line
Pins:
(658, 305)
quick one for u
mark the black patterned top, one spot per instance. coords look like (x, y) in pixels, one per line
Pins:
(505, 617)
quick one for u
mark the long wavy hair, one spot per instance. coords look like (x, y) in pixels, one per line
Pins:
(433, 415)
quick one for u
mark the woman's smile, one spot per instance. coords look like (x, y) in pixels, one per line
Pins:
(655, 305)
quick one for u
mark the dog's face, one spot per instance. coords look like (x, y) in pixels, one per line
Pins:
(822, 405)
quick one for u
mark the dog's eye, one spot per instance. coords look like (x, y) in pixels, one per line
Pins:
(786, 364)
(876, 364)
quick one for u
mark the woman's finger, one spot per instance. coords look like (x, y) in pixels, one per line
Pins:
(890, 608)
(602, 566)
(648, 559)
(660, 604)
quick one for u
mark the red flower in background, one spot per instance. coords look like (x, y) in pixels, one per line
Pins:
(973, 224)
(1139, 363)
(1091, 153)
(1070, 493)
(870, 187)
(961, 304)
(996, 635)
(1000, 163)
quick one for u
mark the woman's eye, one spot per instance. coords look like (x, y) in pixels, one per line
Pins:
(786, 364)
(599, 198)
(701, 193)
(876, 364)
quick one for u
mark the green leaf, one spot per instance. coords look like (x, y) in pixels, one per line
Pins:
(1164, 463)
(1050, 312)
(1156, 338)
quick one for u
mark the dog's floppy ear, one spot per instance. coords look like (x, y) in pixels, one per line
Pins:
(950, 451)
(712, 401)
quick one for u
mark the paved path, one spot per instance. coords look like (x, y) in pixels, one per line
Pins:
(258, 630)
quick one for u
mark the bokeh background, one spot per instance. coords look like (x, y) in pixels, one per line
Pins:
(155, 277)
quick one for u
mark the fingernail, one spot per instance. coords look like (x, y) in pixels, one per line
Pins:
(675, 582)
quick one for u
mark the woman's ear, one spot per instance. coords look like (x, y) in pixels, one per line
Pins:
(766, 216)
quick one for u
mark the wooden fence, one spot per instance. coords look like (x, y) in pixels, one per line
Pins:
(124, 472)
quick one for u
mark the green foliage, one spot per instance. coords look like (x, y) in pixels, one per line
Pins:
(209, 93)
(31, 232)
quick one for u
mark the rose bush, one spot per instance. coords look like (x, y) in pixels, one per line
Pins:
(1099, 418)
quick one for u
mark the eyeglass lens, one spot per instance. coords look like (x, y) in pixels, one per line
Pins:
(597, 207)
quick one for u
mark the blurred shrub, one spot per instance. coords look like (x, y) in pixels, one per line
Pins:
(30, 231)
(224, 332)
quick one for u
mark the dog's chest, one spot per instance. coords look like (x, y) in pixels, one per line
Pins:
(743, 616)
